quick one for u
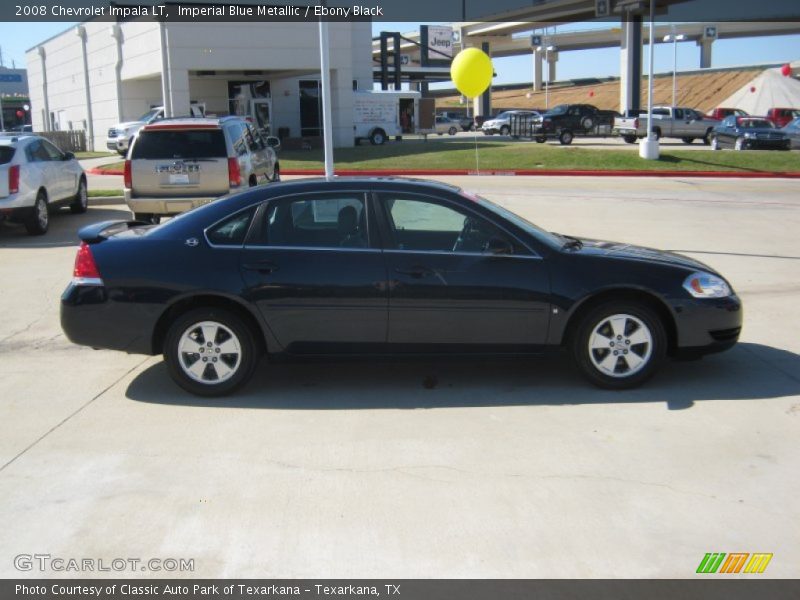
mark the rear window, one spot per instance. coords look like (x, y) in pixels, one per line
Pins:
(6, 154)
(206, 143)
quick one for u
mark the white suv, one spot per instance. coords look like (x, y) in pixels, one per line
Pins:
(35, 177)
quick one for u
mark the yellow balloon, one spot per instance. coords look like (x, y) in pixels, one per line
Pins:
(472, 72)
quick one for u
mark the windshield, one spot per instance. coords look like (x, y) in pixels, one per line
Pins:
(150, 114)
(504, 115)
(558, 110)
(755, 124)
(522, 223)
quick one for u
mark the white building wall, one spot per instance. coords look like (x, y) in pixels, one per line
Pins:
(287, 52)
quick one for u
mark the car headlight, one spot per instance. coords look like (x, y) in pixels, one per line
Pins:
(750, 135)
(706, 285)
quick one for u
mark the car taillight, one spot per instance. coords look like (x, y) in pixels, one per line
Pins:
(13, 179)
(128, 175)
(85, 271)
(636, 123)
(234, 174)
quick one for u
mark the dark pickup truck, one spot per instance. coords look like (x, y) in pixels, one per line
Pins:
(565, 121)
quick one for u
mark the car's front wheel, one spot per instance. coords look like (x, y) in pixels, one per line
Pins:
(619, 345)
(210, 352)
(81, 202)
(715, 143)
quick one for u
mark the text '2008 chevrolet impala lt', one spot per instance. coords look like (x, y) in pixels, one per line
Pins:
(388, 266)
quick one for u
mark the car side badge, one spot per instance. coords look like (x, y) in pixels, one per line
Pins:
(192, 242)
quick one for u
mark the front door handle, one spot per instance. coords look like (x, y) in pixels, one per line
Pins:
(417, 272)
(263, 266)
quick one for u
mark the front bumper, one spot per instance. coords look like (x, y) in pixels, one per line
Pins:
(756, 144)
(164, 206)
(707, 325)
(117, 144)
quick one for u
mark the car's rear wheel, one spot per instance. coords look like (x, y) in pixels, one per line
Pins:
(504, 130)
(210, 352)
(541, 140)
(452, 131)
(147, 218)
(377, 137)
(629, 139)
(619, 345)
(687, 140)
(81, 203)
(38, 220)
(565, 138)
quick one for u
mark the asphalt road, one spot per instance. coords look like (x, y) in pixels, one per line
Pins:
(485, 468)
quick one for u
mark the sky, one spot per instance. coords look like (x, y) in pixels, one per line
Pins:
(16, 38)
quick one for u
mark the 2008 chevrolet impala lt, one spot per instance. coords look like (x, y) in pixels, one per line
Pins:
(389, 266)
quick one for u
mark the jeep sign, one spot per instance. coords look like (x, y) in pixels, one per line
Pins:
(440, 42)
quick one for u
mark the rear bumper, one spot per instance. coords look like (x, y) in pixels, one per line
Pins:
(90, 318)
(164, 206)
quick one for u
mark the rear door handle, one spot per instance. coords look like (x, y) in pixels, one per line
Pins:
(416, 272)
(263, 266)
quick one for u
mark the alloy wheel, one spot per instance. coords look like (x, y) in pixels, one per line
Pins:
(620, 345)
(209, 352)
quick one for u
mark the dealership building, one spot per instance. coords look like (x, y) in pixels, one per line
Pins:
(98, 74)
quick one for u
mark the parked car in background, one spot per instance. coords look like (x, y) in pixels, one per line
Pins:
(446, 125)
(685, 124)
(793, 131)
(501, 123)
(748, 133)
(121, 135)
(35, 178)
(565, 121)
(178, 164)
(782, 116)
(465, 122)
(284, 269)
(720, 113)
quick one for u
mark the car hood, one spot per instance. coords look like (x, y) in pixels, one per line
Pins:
(127, 124)
(641, 253)
(760, 130)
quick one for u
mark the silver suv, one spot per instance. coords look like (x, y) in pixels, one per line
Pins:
(177, 164)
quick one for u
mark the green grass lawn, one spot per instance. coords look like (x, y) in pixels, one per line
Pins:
(413, 154)
(104, 193)
(82, 155)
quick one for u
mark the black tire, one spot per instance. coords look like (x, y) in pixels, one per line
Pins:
(657, 133)
(738, 145)
(38, 220)
(81, 202)
(147, 218)
(687, 140)
(276, 174)
(565, 137)
(377, 137)
(715, 143)
(629, 139)
(598, 317)
(541, 140)
(245, 362)
(707, 138)
(504, 130)
(452, 131)
(587, 123)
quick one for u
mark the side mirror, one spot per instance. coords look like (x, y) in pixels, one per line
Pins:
(273, 142)
(498, 245)
(69, 156)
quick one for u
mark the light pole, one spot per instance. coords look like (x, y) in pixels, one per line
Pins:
(547, 51)
(674, 38)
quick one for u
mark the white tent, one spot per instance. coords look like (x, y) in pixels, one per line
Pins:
(771, 89)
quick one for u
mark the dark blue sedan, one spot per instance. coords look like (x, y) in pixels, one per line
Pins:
(748, 133)
(383, 266)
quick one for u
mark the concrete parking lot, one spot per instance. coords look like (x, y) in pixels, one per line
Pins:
(429, 468)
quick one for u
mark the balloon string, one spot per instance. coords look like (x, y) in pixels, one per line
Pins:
(477, 163)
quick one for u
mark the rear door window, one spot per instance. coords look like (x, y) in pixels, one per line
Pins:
(6, 154)
(167, 143)
(330, 221)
